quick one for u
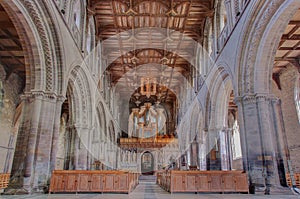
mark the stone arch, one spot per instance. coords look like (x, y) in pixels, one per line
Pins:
(221, 100)
(69, 13)
(263, 35)
(102, 120)
(111, 131)
(196, 120)
(220, 16)
(207, 45)
(147, 163)
(80, 97)
(90, 36)
(221, 80)
(40, 42)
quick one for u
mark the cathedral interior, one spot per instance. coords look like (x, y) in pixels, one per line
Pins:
(202, 95)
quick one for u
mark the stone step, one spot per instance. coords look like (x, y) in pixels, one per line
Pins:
(147, 178)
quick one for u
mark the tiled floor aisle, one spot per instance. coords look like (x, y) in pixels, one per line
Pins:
(149, 190)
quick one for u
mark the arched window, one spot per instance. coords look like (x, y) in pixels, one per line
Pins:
(90, 35)
(222, 15)
(89, 40)
(77, 13)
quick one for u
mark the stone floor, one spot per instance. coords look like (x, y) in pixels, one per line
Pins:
(149, 190)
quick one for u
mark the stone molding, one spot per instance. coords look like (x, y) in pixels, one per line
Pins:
(36, 17)
(254, 98)
(42, 95)
(260, 26)
(44, 25)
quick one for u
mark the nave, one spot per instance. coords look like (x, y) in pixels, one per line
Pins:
(148, 86)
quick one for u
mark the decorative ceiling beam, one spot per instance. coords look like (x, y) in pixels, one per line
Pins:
(6, 25)
(289, 48)
(294, 22)
(288, 59)
(292, 37)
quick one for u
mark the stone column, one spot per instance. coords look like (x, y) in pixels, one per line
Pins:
(282, 151)
(224, 153)
(32, 161)
(82, 144)
(202, 151)
(188, 157)
(257, 138)
(56, 128)
(229, 14)
(194, 156)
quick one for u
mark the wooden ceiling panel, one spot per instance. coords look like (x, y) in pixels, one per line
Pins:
(289, 48)
(134, 40)
(11, 52)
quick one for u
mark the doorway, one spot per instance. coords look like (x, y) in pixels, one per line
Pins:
(147, 163)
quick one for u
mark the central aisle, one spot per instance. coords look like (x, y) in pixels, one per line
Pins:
(148, 189)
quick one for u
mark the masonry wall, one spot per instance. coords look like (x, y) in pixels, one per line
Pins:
(288, 80)
(10, 87)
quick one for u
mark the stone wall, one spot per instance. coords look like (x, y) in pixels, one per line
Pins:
(288, 80)
(10, 87)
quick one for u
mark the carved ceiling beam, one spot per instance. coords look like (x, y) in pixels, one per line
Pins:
(289, 48)
(294, 22)
(292, 37)
(288, 59)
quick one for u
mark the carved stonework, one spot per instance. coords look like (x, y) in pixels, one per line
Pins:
(78, 78)
(258, 32)
(253, 98)
(48, 35)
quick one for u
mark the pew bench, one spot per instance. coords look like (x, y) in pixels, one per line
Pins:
(4, 180)
(93, 181)
(204, 181)
(297, 179)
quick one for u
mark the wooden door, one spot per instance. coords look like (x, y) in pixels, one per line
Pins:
(108, 183)
(191, 183)
(84, 181)
(203, 182)
(97, 182)
(228, 183)
(215, 183)
(71, 182)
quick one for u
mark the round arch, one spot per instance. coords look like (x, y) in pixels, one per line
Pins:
(80, 97)
(147, 163)
(102, 120)
(261, 41)
(40, 42)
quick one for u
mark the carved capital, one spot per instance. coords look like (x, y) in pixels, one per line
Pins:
(35, 94)
(254, 98)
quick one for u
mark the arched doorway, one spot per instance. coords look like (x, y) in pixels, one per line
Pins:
(147, 163)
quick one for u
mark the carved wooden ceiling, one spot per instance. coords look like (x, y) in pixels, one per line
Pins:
(11, 52)
(116, 17)
(288, 51)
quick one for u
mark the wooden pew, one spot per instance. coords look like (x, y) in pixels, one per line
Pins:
(4, 180)
(92, 181)
(204, 181)
(297, 179)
